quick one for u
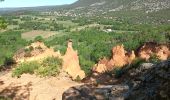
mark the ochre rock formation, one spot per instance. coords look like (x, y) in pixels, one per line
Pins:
(120, 58)
(36, 51)
(148, 49)
(71, 63)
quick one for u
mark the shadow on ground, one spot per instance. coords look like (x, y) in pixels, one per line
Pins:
(12, 92)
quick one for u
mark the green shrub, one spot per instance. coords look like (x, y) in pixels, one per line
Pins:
(118, 72)
(154, 58)
(78, 79)
(50, 67)
(27, 67)
(136, 63)
(9, 61)
(31, 48)
(39, 39)
(10, 42)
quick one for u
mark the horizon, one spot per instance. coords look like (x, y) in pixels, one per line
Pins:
(33, 3)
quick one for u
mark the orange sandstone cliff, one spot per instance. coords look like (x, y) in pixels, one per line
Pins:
(71, 63)
(148, 49)
(119, 58)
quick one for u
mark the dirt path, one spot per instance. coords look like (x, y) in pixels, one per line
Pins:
(31, 87)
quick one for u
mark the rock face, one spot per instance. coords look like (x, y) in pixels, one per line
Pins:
(120, 58)
(71, 63)
(88, 92)
(150, 48)
(150, 81)
(36, 51)
(146, 82)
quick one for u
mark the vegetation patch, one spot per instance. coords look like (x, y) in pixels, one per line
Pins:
(48, 67)
(26, 67)
(10, 42)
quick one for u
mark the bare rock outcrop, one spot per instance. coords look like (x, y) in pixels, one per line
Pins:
(36, 51)
(148, 49)
(71, 63)
(119, 58)
(148, 82)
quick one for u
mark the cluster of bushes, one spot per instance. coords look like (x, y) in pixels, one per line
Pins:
(82, 21)
(48, 67)
(33, 25)
(3, 23)
(10, 42)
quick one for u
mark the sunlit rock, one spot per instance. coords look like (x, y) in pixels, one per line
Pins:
(119, 58)
(149, 49)
(71, 63)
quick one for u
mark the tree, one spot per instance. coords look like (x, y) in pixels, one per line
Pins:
(3, 23)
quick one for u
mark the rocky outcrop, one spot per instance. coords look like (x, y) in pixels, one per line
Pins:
(119, 58)
(148, 49)
(71, 63)
(36, 51)
(146, 82)
(149, 81)
(88, 92)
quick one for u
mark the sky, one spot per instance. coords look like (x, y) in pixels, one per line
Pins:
(33, 3)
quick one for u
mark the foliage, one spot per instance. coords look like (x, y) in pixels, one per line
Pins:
(78, 79)
(154, 58)
(118, 72)
(10, 42)
(3, 23)
(26, 67)
(93, 44)
(39, 39)
(9, 61)
(41, 25)
(49, 67)
(136, 63)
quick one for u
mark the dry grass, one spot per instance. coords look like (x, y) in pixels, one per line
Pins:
(32, 34)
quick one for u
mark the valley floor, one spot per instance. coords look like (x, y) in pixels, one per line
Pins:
(31, 87)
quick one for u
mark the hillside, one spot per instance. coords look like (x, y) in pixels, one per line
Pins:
(137, 10)
(118, 5)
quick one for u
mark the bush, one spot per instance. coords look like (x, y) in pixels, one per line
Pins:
(154, 58)
(27, 67)
(10, 42)
(118, 72)
(50, 67)
(9, 61)
(39, 39)
(136, 63)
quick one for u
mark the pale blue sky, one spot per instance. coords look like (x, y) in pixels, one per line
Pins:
(32, 3)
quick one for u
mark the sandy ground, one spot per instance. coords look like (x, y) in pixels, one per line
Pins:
(31, 87)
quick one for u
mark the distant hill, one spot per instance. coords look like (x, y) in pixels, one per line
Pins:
(118, 5)
(137, 10)
(108, 5)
